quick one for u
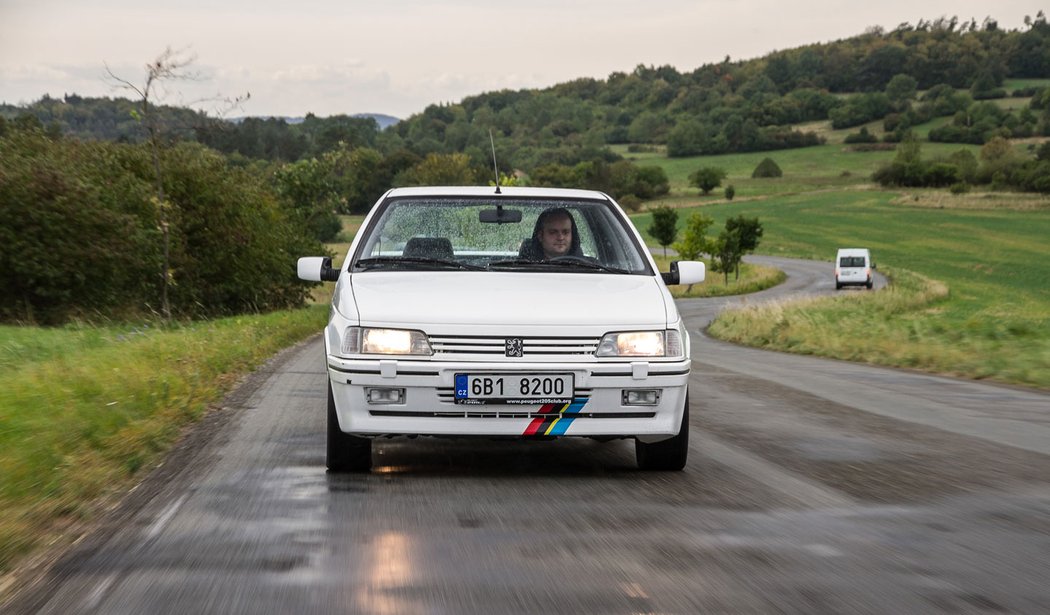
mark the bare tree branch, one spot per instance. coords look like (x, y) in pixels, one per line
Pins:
(170, 65)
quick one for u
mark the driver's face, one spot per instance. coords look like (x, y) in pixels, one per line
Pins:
(556, 237)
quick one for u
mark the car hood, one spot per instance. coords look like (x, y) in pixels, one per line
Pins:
(405, 298)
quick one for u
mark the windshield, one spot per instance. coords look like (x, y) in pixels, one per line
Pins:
(461, 233)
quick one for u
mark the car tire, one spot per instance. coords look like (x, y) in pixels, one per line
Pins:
(346, 453)
(666, 455)
(838, 286)
(869, 284)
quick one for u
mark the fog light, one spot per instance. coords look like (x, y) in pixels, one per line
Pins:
(385, 396)
(640, 397)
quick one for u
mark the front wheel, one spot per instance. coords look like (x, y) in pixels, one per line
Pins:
(346, 453)
(669, 454)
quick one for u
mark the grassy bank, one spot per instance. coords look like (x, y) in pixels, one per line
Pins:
(84, 409)
(989, 253)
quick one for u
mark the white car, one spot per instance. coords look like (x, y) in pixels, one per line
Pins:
(510, 312)
(853, 267)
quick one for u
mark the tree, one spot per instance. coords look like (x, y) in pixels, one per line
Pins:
(707, 178)
(901, 90)
(767, 168)
(694, 238)
(441, 170)
(170, 65)
(730, 192)
(307, 189)
(664, 228)
(727, 252)
(749, 233)
(358, 177)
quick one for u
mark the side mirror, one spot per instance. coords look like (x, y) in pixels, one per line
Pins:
(873, 266)
(685, 272)
(317, 269)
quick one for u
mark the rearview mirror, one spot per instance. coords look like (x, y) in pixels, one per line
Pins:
(499, 215)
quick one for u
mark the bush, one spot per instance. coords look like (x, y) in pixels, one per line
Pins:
(71, 245)
(940, 174)
(959, 188)
(730, 192)
(630, 202)
(861, 137)
(898, 173)
(707, 178)
(324, 226)
(79, 233)
(767, 168)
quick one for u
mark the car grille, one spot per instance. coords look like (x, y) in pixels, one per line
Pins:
(493, 346)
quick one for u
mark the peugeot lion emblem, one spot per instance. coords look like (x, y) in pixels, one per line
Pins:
(515, 347)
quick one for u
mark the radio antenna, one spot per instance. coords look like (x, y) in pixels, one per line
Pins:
(495, 169)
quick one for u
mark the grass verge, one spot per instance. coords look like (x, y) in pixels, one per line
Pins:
(900, 326)
(83, 409)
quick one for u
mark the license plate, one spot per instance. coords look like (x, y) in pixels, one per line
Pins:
(517, 388)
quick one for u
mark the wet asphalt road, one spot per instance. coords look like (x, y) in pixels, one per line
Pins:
(813, 486)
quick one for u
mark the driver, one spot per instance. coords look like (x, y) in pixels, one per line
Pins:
(555, 235)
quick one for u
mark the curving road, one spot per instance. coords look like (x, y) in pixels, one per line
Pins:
(814, 486)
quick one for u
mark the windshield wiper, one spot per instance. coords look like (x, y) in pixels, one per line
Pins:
(514, 262)
(563, 262)
(401, 261)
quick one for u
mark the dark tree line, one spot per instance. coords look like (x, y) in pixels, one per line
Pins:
(999, 166)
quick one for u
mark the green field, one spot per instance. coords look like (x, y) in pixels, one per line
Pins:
(823, 167)
(1015, 84)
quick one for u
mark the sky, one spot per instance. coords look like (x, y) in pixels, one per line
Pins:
(396, 57)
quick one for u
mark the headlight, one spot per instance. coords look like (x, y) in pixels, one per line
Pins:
(641, 344)
(370, 340)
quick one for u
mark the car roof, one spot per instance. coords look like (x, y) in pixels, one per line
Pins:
(853, 251)
(490, 191)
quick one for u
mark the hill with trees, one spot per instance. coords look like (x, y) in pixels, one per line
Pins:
(729, 106)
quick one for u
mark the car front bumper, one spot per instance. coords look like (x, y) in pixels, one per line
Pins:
(424, 400)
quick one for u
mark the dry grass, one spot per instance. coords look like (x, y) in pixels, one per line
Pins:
(942, 199)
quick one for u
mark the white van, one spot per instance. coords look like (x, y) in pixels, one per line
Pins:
(853, 267)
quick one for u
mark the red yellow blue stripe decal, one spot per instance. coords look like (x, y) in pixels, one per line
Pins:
(556, 418)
